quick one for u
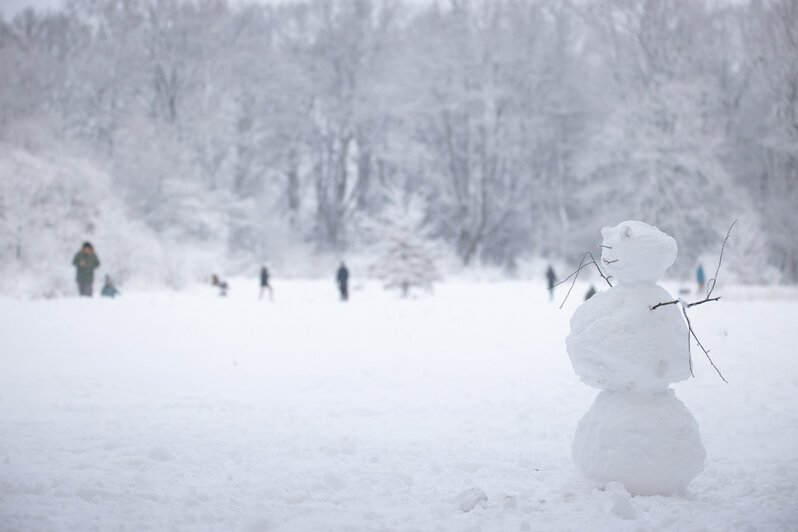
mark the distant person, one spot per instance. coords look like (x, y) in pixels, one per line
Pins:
(551, 277)
(342, 277)
(701, 278)
(215, 281)
(590, 293)
(109, 290)
(85, 262)
(264, 283)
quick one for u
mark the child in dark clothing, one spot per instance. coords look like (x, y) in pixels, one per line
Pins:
(264, 283)
(109, 290)
(215, 281)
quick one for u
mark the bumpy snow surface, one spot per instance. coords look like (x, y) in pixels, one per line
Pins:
(635, 252)
(618, 343)
(194, 412)
(648, 442)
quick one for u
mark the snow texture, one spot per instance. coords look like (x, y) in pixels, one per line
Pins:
(648, 442)
(635, 252)
(618, 343)
(186, 411)
(472, 498)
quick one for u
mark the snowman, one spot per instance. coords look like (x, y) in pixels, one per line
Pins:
(637, 432)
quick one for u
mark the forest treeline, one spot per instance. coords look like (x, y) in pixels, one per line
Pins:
(520, 126)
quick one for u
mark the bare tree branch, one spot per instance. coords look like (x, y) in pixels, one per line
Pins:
(575, 275)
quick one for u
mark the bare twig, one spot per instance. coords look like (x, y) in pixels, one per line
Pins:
(687, 304)
(691, 332)
(684, 306)
(658, 305)
(575, 275)
(705, 300)
(711, 283)
(689, 346)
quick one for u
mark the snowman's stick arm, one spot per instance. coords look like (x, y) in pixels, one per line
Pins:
(691, 332)
(689, 305)
(575, 275)
(658, 305)
(583, 265)
(711, 283)
(684, 306)
(706, 300)
(689, 342)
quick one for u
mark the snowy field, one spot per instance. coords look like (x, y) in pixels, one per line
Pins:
(167, 411)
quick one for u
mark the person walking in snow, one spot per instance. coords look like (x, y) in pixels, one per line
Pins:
(701, 278)
(215, 281)
(85, 262)
(264, 283)
(342, 277)
(109, 290)
(551, 277)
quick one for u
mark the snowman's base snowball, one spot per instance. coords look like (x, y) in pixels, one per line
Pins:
(648, 442)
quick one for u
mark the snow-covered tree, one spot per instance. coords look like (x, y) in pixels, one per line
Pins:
(523, 123)
(406, 258)
(768, 135)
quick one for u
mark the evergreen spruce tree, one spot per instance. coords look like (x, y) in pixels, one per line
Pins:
(406, 259)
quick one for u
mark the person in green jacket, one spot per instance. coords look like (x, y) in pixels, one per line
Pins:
(85, 262)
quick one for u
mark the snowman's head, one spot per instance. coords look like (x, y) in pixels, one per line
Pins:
(636, 252)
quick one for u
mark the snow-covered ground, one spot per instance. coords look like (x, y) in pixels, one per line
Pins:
(187, 411)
